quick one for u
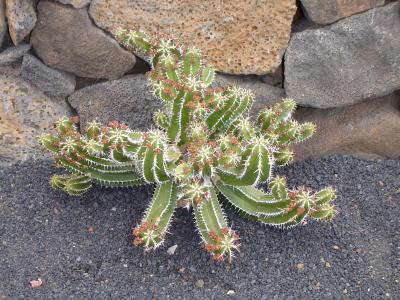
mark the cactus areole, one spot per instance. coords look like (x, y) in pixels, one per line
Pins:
(205, 150)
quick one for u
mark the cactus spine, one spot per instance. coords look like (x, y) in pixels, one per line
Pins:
(205, 146)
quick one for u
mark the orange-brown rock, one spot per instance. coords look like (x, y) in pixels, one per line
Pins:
(370, 128)
(21, 18)
(329, 11)
(237, 36)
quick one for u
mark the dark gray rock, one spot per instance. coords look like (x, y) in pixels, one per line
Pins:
(354, 59)
(12, 54)
(3, 24)
(329, 11)
(127, 100)
(265, 94)
(66, 39)
(48, 80)
(21, 18)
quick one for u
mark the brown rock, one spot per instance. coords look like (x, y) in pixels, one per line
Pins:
(240, 37)
(25, 114)
(329, 11)
(76, 3)
(66, 39)
(21, 18)
(370, 128)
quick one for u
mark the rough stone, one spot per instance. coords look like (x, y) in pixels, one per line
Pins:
(76, 3)
(369, 128)
(354, 59)
(3, 24)
(50, 81)
(265, 95)
(25, 114)
(127, 100)
(329, 11)
(21, 18)
(240, 37)
(14, 70)
(12, 54)
(275, 78)
(65, 38)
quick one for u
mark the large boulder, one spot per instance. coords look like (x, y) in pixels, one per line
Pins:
(21, 18)
(370, 128)
(65, 38)
(354, 59)
(48, 80)
(127, 100)
(329, 11)
(240, 37)
(25, 114)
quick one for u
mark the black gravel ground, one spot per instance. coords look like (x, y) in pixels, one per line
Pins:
(80, 247)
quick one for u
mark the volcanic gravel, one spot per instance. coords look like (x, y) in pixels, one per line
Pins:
(80, 247)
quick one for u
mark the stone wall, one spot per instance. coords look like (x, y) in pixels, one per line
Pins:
(340, 60)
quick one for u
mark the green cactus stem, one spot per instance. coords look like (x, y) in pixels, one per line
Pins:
(206, 149)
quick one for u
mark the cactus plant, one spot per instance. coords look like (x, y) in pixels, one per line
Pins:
(206, 150)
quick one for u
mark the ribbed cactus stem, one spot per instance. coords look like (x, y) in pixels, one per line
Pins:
(206, 145)
(154, 225)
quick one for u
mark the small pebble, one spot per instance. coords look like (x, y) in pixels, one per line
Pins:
(36, 283)
(359, 251)
(230, 292)
(171, 250)
(200, 283)
(300, 266)
(318, 286)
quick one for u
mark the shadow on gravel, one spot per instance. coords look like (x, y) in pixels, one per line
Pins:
(80, 247)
